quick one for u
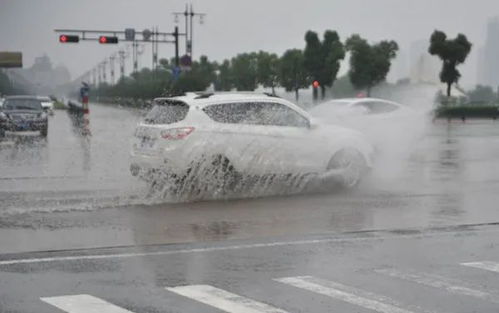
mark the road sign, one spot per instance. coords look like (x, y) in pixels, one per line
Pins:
(146, 33)
(185, 61)
(130, 34)
(11, 59)
(176, 72)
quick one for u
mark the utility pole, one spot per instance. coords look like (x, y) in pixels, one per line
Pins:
(189, 16)
(104, 76)
(175, 35)
(122, 55)
(111, 66)
(94, 77)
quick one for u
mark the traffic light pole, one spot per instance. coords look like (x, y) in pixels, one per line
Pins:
(189, 16)
(113, 37)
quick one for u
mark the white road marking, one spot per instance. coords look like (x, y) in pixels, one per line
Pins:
(227, 248)
(223, 300)
(83, 304)
(344, 293)
(485, 265)
(441, 283)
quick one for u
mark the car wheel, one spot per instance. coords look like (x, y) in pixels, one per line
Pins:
(44, 132)
(209, 177)
(2, 133)
(348, 166)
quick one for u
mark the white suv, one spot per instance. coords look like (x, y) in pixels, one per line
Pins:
(219, 138)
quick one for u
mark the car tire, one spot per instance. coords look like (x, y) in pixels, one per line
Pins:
(2, 133)
(351, 165)
(209, 177)
(44, 132)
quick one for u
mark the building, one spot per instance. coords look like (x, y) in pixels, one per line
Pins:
(488, 67)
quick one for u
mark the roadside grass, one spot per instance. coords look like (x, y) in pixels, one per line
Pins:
(58, 105)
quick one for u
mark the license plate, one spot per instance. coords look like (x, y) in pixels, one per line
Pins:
(147, 144)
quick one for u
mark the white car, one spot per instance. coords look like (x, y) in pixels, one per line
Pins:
(47, 105)
(211, 137)
(351, 108)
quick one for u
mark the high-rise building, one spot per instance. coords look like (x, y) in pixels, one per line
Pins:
(489, 58)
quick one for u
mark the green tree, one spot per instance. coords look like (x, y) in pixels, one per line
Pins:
(369, 64)
(267, 69)
(224, 80)
(292, 73)
(322, 59)
(244, 71)
(5, 84)
(452, 52)
(482, 94)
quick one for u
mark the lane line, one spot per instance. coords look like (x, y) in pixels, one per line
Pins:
(485, 265)
(440, 282)
(83, 304)
(230, 248)
(223, 300)
(347, 294)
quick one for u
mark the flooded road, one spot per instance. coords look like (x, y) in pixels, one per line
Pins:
(78, 233)
(68, 192)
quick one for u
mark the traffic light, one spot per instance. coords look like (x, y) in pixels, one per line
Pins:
(108, 39)
(69, 38)
(316, 84)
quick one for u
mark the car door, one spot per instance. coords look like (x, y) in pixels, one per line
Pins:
(294, 148)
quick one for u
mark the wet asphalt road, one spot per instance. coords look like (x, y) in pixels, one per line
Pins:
(67, 194)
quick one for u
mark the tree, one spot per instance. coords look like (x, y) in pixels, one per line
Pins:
(292, 73)
(369, 64)
(267, 69)
(198, 78)
(482, 94)
(322, 59)
(452, 52)
(224, 80)
(244, 71)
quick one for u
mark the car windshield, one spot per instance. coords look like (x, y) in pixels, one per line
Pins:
(44, 99)
(377, 107)
(22, 104)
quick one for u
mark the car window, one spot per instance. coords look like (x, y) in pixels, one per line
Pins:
(22, 104)
(167, 112)
(377, 107)
(256, 113)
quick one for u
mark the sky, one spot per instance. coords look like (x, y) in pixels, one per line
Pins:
(236, 26)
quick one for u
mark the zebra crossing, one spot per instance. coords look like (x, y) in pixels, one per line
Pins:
(228, 301)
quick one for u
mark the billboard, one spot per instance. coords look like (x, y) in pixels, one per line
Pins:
(11, 59)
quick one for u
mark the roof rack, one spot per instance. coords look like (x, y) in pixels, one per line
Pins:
(268, 94)
(203, 95)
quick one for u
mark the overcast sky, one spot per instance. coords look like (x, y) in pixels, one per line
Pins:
(234, 26)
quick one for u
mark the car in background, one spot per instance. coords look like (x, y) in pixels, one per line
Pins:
(351, 108)
(47, 105)
(21, 114)
(216, 137)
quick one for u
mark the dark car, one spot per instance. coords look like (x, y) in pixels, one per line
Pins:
(22, 114)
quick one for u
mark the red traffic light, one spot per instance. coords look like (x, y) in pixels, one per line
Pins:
(316, 84)
(108, 39)
(69, 38)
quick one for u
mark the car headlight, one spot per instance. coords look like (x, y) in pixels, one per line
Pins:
(43, 116)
